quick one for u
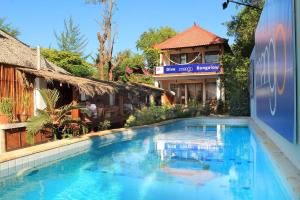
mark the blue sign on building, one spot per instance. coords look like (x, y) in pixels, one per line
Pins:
(275, 68)
(188, 68)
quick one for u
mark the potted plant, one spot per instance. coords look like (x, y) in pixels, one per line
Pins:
(25, 106)
(6, 110)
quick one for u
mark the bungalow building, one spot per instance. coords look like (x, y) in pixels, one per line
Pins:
(23, 71)
(190, 67)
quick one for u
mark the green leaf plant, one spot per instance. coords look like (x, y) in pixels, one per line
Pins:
(57, 119)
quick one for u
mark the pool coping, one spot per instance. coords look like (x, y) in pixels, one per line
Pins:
(288, 172)
(22, 157)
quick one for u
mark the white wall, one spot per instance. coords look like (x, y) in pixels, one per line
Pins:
(39, 103)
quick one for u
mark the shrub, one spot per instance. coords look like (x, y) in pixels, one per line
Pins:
(206, 110)
(154, 114)
(220, 107)
(104, 125)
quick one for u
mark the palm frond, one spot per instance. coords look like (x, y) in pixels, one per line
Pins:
(62, 111)
(67, 108)
(50, 98)
(37, 123)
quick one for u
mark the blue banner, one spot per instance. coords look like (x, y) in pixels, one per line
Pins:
(275, 68)
(192, 68)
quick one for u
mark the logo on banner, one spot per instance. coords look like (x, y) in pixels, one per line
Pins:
(273, 75)
(159, 70)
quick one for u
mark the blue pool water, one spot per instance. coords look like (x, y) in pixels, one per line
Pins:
(185, 160)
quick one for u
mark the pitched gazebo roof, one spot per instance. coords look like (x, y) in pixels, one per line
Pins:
(192, 37)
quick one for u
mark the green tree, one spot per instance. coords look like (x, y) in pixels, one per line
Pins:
(242, 28)
(129, 60)
(7, 27)
(71, 62)
(235, 80)
(236, 64)
(151, 37)
(141, 78)
(71, 39)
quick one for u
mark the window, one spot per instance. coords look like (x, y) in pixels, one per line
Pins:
(112, 99)
(193, 56)
(183, 59)
(175, 59)
(211, 91)
(212, 57)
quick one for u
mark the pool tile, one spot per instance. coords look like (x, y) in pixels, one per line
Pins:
(11, 167)
(25, 162)
(19, 164)
(4, 169)
(30, 161)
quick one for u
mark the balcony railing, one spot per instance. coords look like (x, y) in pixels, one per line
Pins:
(189, 68)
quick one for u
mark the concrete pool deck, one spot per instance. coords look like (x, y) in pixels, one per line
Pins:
(18, 161)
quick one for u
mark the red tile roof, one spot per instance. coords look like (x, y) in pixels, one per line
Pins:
(192, 37)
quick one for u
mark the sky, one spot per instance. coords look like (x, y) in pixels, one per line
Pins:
(38, 19)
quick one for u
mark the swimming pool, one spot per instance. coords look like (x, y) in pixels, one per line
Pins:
(181, 160)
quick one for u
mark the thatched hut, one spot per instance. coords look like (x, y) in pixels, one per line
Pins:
(23, 71)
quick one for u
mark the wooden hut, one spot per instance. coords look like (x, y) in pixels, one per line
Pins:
(23, 72)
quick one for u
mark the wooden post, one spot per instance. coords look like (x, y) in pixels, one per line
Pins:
(185, 95)
(178, 94)
(75, 112)
(121, 104)
(2, 141)
(204, 92)
(218, 84)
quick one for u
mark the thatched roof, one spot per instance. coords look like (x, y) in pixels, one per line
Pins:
(87, 86)
(15, 52)
(144, 88)
(149, 87)
(132, 87)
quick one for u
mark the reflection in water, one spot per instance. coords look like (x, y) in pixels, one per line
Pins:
(182, 160)
(204, 154)
(206, 142)
(197, 177)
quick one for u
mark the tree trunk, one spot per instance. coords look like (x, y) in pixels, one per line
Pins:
(105, 42)
(101, 56)
(111, 68)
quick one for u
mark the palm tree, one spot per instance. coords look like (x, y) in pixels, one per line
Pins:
(55, 118)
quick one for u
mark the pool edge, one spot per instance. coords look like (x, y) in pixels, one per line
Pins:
(36, 156)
